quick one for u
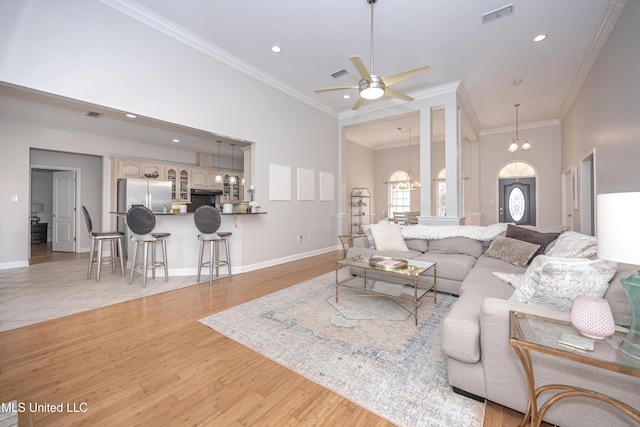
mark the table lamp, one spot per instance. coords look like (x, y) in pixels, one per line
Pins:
(35, 208)
(618, 231)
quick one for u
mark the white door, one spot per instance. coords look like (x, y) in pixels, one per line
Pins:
(64, 211)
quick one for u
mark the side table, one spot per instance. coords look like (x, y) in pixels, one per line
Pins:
(39, 232)
(540, 334)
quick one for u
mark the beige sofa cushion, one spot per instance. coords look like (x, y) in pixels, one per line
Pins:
(461, 327)
(456, 245)
(449, 266)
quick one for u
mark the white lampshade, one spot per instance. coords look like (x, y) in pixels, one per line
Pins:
(618, 228)
(37, 207)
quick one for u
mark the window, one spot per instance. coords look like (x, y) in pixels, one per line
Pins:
(399, 199)
(441, 193)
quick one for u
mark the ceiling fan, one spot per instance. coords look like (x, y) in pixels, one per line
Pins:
(372, 86)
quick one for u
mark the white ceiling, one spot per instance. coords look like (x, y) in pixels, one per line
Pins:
(317, 38)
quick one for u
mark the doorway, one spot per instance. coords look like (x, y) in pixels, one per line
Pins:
(53, 220)
(517, 201)
(86, 189)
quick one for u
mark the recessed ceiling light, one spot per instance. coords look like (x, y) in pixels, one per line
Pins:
(539, 37)
(517, 82)
(175, 140)
(131, 116)
(347, 96)
(276, 49)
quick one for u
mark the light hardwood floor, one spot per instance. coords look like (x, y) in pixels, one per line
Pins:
(149, 362)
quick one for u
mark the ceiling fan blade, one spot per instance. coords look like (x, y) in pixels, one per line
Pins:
(395, 78)
(335, 88)
(357, 62)
(358, 103)
(395, 94)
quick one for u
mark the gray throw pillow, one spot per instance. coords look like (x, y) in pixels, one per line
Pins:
(513, 251)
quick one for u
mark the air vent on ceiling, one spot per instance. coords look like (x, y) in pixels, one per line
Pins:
(339, 73)
(497, 14)
(93, 114)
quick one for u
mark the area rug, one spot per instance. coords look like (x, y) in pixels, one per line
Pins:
(366, 349)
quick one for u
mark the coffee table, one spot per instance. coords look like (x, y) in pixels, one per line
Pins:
(395, 279)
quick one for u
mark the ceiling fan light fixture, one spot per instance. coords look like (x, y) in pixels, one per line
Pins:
(373, 89)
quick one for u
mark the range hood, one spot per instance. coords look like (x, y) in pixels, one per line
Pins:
(206, 192)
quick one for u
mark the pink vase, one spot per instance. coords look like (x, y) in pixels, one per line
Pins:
(592, 317)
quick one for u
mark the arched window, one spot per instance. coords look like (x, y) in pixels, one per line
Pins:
(399, 198)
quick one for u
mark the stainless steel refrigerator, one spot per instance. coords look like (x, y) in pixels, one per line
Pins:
(151, 193)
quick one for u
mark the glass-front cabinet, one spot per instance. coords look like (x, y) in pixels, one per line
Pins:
(232, 186)
(179, 177)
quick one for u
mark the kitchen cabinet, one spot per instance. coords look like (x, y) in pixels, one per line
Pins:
(232, 190)
(204, 179)
(180, 185)
(125, 168)
(153, 171)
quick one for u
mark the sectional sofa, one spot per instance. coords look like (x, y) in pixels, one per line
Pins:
(492, 269)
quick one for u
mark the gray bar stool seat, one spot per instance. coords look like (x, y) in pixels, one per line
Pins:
(207, 220)
(142, 221)
(97, 238)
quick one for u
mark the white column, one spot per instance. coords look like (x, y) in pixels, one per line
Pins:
(425, 162)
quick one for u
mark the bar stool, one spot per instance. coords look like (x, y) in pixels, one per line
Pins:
(142, 221)
(207, 219)
(115, 237)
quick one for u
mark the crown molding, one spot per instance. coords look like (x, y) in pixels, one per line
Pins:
(609, 19)
(531, 125)
(158, 22)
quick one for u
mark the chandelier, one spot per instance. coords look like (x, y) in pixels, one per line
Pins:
(410, 183)
(515, 144)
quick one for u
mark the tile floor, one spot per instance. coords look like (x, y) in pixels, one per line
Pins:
(54, 289)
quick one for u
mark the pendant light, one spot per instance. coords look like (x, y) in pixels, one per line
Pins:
(411, 183)
(218, 179)
(232, 178)
(515, 144)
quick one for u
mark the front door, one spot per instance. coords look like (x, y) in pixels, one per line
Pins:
(64, 211)
(518, 201)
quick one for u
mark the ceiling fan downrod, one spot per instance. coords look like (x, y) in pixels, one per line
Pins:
(371, 70)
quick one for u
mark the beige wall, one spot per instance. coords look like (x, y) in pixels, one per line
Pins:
(606, 112)
(544, 157)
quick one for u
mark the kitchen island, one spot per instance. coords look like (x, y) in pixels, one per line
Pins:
(183, 246)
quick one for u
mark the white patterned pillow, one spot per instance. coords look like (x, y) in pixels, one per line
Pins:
(556, 282)
(388, 237)
(511, 278)
(572, 244)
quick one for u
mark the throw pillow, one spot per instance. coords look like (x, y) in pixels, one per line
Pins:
(388, 237)
(532, 236)
(513, 251)
(511, 278)
(369, 236)
(555, 282)
(572, 244)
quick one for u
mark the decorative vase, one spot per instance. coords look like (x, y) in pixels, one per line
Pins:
(592, 317)
(631, 343)
(254, 209)
(252, 197)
